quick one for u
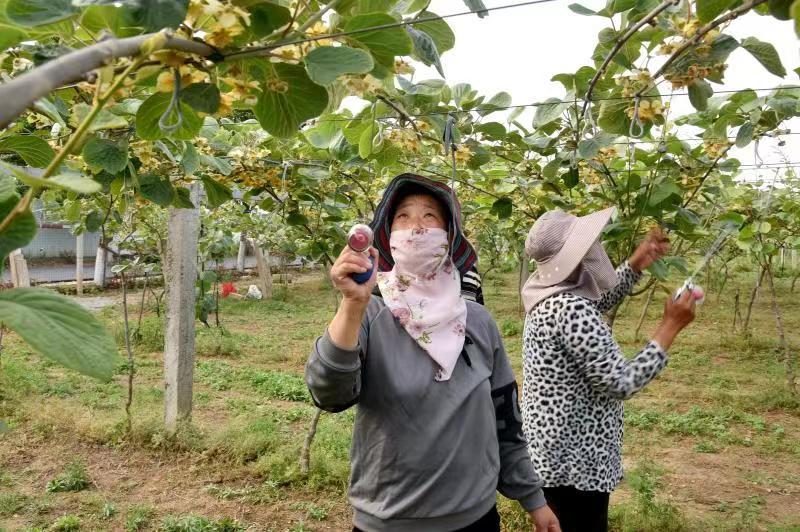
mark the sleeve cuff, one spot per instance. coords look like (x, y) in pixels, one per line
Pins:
(636, 275)
(335, 357)
(658, 347)
(534, 501)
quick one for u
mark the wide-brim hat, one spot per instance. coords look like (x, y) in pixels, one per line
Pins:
(558, 241)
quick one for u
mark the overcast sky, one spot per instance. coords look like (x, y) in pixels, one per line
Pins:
(518, 50)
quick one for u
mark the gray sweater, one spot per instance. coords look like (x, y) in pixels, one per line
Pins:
(426, 455)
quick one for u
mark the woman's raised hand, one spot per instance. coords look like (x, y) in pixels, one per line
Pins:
(353, 262)
(654, 246)
(677, 315)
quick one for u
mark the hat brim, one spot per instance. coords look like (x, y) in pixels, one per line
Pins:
(584, 233)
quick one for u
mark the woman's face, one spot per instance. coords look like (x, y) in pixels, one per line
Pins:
(418, 211)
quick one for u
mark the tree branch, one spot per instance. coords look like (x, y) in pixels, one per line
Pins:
(18, 94)
(403, 115)
(618, 46)
(744, 8)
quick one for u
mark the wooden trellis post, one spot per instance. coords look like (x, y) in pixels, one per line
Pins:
(180, 273)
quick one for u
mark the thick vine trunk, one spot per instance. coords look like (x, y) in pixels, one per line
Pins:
(753, 297)
(264, 271)
(644, 311)
(129, 400)
(305, 455)
(789, 360)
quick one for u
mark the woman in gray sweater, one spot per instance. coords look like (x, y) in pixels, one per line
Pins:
(438, 429)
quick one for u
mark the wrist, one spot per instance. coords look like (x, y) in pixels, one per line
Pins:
(636, 265)
(666, 333)
(354, 305)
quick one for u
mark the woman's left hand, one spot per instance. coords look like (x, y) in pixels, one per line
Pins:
(654, 246)
(544, 520)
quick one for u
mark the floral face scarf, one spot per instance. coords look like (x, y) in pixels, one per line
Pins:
(423, 291)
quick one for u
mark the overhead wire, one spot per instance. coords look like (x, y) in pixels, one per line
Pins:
(495, 108)
(420, 20)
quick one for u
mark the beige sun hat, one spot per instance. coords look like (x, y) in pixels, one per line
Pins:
(558, 241)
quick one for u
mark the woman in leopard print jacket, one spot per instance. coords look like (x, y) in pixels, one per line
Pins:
(575, 375)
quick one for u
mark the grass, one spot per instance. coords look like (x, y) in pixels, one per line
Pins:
(718, 415)
(196, 523)
(138, 517)
(646, 510)
(74, 478)
(11, 503)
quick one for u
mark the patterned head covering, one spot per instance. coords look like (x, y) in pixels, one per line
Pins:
(463, 254)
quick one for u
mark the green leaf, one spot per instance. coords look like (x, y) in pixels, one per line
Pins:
(699, 93)
(588, 148)
(571, 177)
(795, 9)
(296, 218)
(74, 182)
(60, 329)
(105, 119)
(33, 150)
(476, 6)
(202, 97)
(491, 129)
(326, 63)
(156, 188)
(94, 221)
(548, 111)
(439, 31)
(190, 161)
(216, 192)
(745, 135)
(619, 6)
(425, 48)
(581, 10)
(764, 227)
(708, 10)
(30, 13)
(663, 191)
(721, 48)
(106, 154)
(155, 15)
(8, 187)
(765, 54)
(266, 18)
(385, 43)
(183, 199)
(499, 102)
(19, 232)
(150, 113)
(327, 133)
(502, 208)
(781, 9)
(11, 36)
(612, 117)
(281, 113)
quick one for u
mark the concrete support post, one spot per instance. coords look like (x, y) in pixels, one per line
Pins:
(180, 273)
(19, 269)
(240, 258)
(100, 263)
(79, 264)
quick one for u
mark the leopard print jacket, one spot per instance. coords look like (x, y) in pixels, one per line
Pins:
(575, 378)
